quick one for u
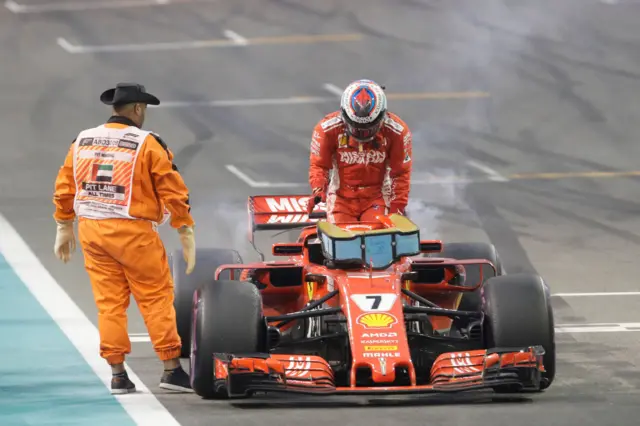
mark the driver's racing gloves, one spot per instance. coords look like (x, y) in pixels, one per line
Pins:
(396, 209)
(188, 241)
(319, 196)
(65, 240)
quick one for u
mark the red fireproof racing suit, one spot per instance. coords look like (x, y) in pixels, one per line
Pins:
(364, 180)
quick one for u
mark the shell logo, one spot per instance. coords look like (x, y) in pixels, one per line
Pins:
(383, 320)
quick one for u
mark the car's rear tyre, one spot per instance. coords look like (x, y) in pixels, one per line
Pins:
(227, 318)
(207, 261)
(472, 301)
(518, 313)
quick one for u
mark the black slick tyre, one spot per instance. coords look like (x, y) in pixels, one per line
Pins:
(227, 318)
(518, 313)
(184, 286)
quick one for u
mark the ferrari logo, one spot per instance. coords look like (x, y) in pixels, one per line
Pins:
(382, 320)
(343, 141)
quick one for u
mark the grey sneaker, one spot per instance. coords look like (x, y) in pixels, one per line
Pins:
(176, 380)
(120, 384)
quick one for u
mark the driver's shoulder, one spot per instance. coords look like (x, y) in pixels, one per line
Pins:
(331, 122)
(393, 123)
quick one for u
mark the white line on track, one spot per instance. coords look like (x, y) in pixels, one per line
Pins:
(265, 184)
(62, 42)
(621, 2)
(237, 41)
(145, 47)
(85, 5)
(295, 100)
(143, 407)
(292, 100)
(598, 328)
(243, 177)
(449, 180)
(235, 37)
(612, 293)
(332, 88)
(139, 337)
(254, 184)
(491, 173)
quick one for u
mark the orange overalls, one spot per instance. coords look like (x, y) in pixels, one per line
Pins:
(120, 181)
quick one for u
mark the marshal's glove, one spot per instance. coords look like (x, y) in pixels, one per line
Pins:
(65, 240)
(188, 241)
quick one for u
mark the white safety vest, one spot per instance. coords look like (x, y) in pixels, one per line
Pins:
(104, 161)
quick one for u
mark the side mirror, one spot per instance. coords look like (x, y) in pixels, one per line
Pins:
(432, 246)
(287, 249)
(410, 276)
(315, 278)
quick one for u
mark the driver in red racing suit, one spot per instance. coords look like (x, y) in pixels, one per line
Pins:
(360, 161)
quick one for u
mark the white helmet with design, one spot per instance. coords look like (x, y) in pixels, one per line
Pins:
(363, 107)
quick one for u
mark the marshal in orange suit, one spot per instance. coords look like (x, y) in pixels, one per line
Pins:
(120, 182)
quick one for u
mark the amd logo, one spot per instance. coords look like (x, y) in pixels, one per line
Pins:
(379, 335)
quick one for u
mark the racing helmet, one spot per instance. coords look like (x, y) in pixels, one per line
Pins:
(363, 107)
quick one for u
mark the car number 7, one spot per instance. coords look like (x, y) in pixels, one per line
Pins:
(376, 301)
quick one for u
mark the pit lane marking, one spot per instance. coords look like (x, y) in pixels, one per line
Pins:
(205, 44)
(18, 8)
(143, 407)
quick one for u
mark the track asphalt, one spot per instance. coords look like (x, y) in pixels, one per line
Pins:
(525, 123)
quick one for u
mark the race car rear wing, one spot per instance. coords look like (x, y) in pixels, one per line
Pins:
(281, 212)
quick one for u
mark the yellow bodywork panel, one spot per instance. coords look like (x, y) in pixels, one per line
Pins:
(400, 224)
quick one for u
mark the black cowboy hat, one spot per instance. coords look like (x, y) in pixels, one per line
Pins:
(128, 93)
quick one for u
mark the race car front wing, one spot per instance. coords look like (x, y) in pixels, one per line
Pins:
(242, 374)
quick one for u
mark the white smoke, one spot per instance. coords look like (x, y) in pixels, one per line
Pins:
(437, 187)
(223, 224)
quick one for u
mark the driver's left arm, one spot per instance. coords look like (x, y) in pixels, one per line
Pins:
(400, 162)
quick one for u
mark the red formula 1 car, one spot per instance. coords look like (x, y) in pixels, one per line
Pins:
(360, 308)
